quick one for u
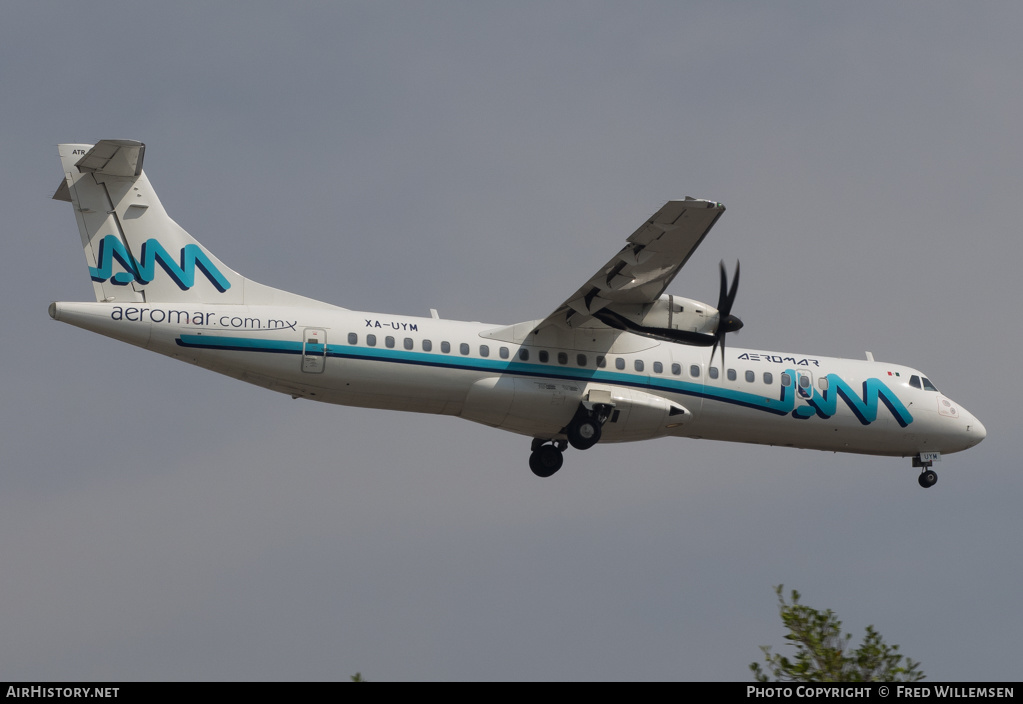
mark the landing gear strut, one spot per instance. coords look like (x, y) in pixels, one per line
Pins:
(584, 430)
(583, 433)
(547, 457)
(928, 477)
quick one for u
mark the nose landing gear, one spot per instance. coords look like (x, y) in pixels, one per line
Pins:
(928, 477)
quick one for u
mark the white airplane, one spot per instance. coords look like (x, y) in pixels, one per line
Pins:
(618, 361)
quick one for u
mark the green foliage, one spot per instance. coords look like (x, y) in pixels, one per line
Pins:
(357, 677)
(821, 651)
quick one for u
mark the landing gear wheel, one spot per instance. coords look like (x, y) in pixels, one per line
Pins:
(584, 433)
(928, 478)
(546, 460)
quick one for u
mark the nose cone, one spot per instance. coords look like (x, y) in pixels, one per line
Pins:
(975, 430)
(968, 432)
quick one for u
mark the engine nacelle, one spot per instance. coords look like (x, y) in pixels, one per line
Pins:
(670, 318)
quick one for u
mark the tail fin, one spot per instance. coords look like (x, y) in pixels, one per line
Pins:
(126, 233)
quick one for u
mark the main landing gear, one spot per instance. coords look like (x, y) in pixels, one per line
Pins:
(928, 477)
(546, 459)
(583, 432)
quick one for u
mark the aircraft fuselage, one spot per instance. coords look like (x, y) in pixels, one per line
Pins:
(654, 388)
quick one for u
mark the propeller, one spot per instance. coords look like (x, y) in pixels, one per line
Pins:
(726, 321)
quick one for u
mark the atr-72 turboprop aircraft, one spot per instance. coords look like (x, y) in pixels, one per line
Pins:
(618, 361)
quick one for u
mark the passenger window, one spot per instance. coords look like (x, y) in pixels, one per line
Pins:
(750, 376)
(804, 381)
(409, 343)
(822, 383)
(484, 351)
(676, 369)
(353, 338)
(504, 353)
(371, 340)
(928, 386)
(638, 365)
(619, 363)
(601, 361)
(427, 346)
(463, 348)
(544, 356)
(914, 381)
(389, 342)
(562, 357)
(580, 359)
(658, 368)
(768, 378)
(712, 372)
(523, 354)
(445, 347)
(786, 379)
(731, 375)
(694, 371)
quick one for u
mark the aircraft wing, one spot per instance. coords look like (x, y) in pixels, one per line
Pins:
(641, 271)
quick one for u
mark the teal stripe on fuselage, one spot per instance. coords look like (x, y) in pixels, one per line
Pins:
(241, 344)
(759, 402)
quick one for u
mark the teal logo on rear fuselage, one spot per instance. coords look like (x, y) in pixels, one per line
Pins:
(143, 270)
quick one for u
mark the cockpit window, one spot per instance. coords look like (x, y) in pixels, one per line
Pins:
(914, 381)
(928, 386)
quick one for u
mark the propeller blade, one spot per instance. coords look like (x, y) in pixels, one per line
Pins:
(723, 295)
(718, 339)
(734, 290)
(726, 322)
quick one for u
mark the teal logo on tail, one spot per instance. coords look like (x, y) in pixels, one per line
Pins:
(181, 270)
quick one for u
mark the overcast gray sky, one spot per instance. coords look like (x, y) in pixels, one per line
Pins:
(160, 522)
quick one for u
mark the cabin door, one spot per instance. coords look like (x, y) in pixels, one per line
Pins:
(314, 350)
